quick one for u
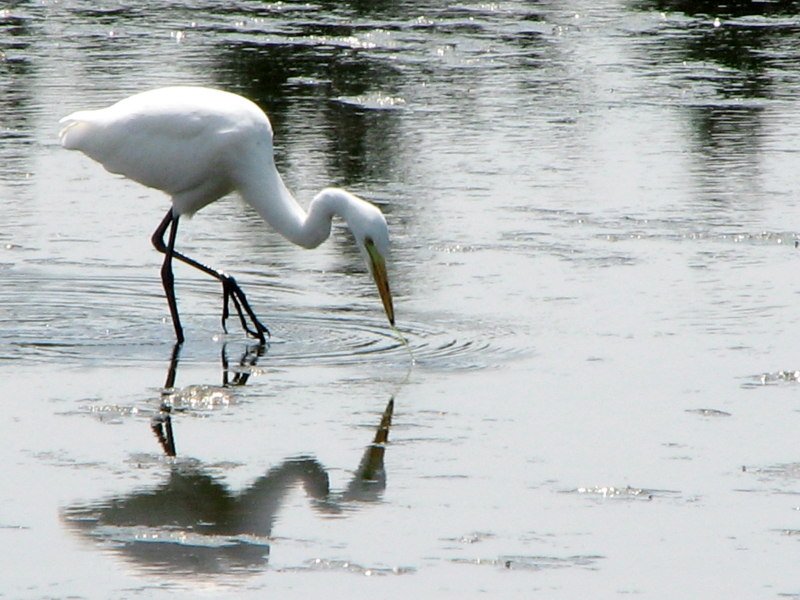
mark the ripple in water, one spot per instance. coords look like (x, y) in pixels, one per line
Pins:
(349, 340)
(124, 319)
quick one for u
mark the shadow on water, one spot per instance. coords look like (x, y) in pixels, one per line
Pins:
(193, 524)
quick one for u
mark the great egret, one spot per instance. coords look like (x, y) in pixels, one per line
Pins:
(199, 144)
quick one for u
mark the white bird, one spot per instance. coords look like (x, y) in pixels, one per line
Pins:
(199, 144)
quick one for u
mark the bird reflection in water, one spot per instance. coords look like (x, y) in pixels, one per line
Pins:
(162, 423)
(193, 524)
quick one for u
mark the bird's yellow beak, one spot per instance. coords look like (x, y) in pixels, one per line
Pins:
(378, 269)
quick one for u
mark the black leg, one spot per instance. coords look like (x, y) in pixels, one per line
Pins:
(173, 369)
(230, 289)
(167, 276)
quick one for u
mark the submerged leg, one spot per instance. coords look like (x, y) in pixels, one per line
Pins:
(230, 289)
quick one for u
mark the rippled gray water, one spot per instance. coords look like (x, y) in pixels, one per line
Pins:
(593, 209)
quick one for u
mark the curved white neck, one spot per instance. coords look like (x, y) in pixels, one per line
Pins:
(276, 205)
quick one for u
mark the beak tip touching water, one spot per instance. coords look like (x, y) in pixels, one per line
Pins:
(377, 266)
(382, 281)
(390, 313)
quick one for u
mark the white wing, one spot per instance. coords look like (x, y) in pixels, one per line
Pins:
(184, 141)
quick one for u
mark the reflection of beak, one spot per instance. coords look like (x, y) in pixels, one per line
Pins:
(378, 269)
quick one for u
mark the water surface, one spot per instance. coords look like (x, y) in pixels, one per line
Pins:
(594, 221)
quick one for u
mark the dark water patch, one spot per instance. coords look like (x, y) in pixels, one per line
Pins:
(374, 101)
(714, 8)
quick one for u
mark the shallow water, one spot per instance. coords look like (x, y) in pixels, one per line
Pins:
(594, 227)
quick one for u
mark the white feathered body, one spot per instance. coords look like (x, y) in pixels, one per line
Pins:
(192, 143)
(199, 144)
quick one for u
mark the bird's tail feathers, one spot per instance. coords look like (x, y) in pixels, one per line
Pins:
(74, 132)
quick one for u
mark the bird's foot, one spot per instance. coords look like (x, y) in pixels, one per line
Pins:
(232, 292)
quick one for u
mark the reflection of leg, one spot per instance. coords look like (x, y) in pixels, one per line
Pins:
(162, 427)
(162, 422)
(230, 289)
(242, 374)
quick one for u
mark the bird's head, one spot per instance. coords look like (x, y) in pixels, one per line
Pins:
(368, 225)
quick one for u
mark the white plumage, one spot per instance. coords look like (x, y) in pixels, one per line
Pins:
(199, 144)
